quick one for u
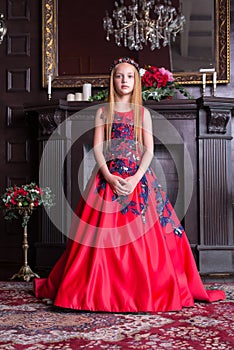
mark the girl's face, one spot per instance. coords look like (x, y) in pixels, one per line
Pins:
(124, 78)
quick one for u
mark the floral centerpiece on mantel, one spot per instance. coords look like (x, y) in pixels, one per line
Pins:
(157, 84)
(25, 197)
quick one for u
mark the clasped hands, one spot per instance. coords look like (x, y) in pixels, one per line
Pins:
(122, 187)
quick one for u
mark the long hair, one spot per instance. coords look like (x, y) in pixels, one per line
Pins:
(136, 102)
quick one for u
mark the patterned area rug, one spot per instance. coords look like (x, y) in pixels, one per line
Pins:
(26, 323)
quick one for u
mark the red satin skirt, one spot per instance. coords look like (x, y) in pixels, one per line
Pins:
(125, 255)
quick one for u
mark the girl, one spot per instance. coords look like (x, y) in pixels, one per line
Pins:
(127, 250)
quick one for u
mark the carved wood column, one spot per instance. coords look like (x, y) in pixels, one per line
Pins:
(216, 249)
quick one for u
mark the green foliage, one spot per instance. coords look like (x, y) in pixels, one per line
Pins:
(100, 96)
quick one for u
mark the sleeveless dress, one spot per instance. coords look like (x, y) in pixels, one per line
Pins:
(127, 253)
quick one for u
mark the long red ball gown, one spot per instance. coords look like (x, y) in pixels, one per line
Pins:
(125, 254)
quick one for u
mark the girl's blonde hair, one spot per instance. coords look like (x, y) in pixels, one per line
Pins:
(136, 102)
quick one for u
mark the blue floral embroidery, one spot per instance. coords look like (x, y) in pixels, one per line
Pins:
(101, 184)
(163, 210)
(121, 167)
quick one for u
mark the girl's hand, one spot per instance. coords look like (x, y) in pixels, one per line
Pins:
(118, 185)
(131, 183)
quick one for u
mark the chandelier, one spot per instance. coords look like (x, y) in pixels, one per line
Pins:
(143, 21)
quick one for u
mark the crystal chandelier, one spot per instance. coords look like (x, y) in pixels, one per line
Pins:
(143, 21)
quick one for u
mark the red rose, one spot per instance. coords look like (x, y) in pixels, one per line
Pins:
(148, 79)
(162, 79)
(22, 192)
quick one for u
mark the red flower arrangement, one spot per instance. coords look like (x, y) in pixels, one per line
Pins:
(156, 77)
(26, 196)
(158, 84)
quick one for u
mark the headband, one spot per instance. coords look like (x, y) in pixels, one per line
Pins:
(125, 60)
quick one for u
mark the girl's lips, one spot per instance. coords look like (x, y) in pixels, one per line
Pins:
(124, 86)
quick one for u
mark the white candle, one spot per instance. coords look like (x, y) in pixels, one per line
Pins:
(87, 91)
(70, 97)
(204, 79)
(214, 82)
(78, 96)
(204, 83)
(49, 84)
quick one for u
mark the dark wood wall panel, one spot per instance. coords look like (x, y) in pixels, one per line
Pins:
(18, 10)
(17, 151)
(18, 80)
(20, 76)
(16, 180)
(18, 44)
(15, 117)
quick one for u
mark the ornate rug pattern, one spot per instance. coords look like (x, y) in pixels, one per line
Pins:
(27, 323)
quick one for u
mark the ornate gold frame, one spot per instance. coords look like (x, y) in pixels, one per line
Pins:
(50, 47)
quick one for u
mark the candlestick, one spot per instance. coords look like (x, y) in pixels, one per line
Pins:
(214, 83)
(49, 86)
(204, 71)
(25, 271)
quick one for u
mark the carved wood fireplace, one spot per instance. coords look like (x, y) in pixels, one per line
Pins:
(192, 160)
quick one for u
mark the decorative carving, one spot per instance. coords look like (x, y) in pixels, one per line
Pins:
(50, 48)
(178, 115)
(217, 121)
(223, 42)
(49, 120)
(78, 81)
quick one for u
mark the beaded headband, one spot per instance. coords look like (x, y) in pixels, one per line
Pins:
(125, 60)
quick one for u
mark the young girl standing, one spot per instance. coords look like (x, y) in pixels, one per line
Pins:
(127, 250)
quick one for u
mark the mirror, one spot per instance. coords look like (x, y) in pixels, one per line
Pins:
(66, 36)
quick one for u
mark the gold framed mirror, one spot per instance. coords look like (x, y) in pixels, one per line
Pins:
(51, 46)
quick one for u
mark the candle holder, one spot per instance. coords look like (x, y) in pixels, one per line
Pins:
(204, 72)
(25, 271)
